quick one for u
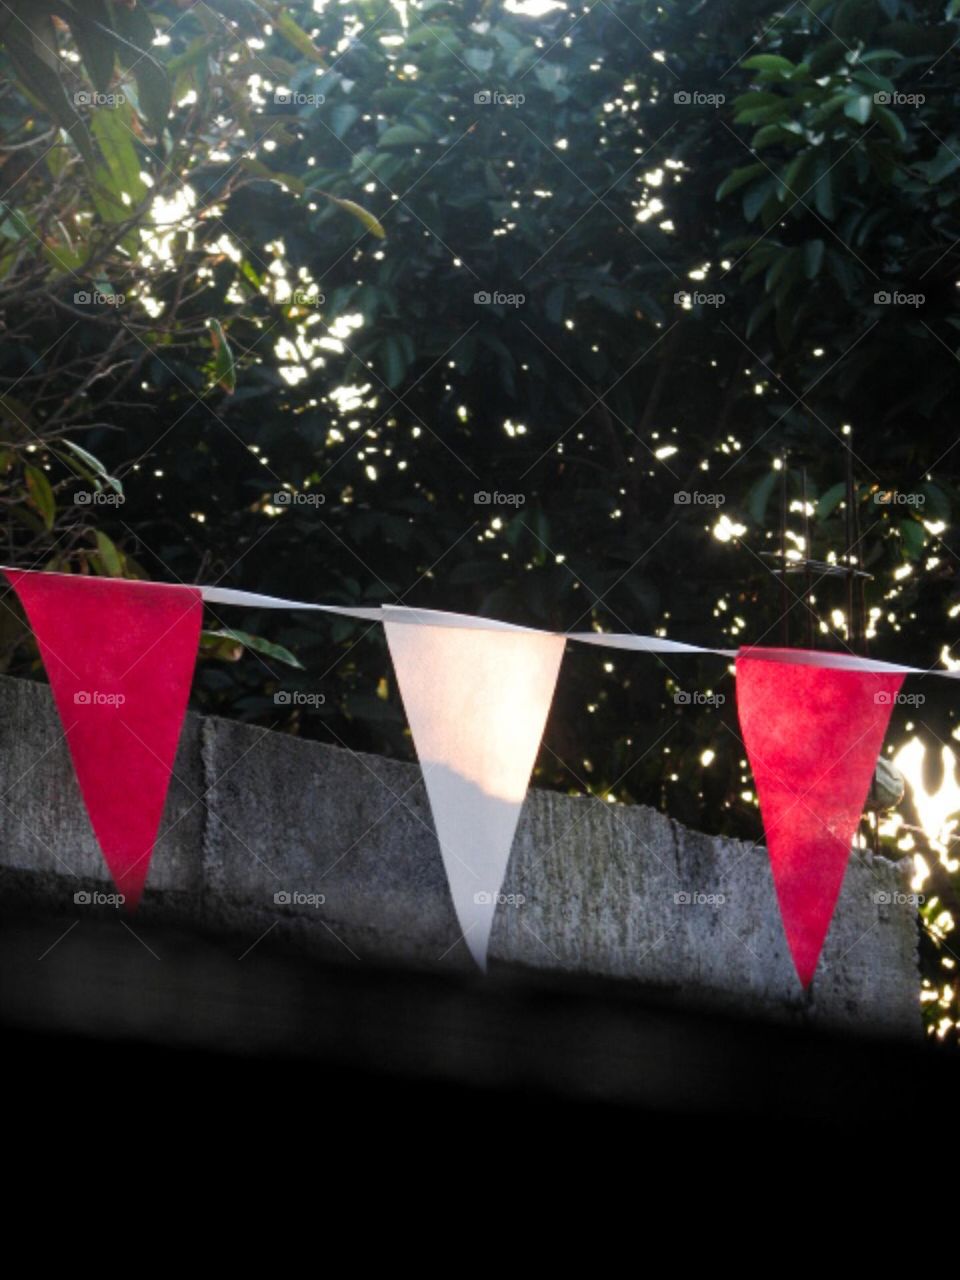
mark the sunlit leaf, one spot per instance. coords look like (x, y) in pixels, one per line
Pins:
(368, 219)
(296, 35)
(94, 465)
(224, 368)
(110, 557)
(41, 495)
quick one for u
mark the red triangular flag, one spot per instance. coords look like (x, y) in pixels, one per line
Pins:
(120, 657)
(813, 735)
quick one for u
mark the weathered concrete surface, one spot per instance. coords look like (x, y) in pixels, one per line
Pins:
(590, 887)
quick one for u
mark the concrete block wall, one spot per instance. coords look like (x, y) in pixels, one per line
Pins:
(347, 842)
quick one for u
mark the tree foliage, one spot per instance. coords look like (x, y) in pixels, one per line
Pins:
(377, 261)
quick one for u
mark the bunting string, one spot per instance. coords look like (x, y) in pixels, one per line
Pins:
(606, 639)
(477, 692)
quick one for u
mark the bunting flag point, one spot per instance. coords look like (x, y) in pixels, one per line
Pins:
(477, 701)
(120, 657)
(813, 734)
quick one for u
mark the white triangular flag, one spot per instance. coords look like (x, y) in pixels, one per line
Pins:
(477, 701)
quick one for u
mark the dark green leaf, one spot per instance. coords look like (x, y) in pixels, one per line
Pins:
(812, 258)
(772, 63)
(737, 178)
(257, 645)
(830, 500)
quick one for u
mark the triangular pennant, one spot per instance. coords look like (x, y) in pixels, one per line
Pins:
(812, 736)
(120, 657)
(477, 701)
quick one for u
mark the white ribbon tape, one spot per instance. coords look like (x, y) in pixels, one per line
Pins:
(609, 640)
